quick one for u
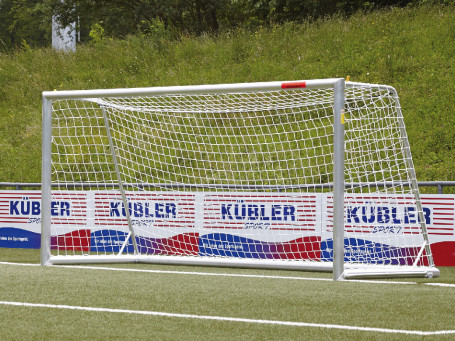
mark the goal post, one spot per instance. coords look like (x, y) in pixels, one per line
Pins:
(338, 178)
(310, 175)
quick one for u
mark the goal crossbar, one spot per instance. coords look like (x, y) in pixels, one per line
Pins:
(191, 89)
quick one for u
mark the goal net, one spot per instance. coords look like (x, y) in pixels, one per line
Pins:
(313, 175)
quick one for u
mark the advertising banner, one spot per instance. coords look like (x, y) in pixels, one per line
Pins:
(230, 224)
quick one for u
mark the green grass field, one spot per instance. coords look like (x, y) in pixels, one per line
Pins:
(139, 302)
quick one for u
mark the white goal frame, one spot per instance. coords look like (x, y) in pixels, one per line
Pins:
(340, 271)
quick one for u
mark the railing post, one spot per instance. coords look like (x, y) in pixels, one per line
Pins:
(440, 188)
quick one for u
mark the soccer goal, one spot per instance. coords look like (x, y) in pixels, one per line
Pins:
(310, 175)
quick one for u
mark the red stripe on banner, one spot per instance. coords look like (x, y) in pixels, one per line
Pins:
(22, 192)
(435, 198)
(438, 203)
(182, 244)
(19, 197)
(224, 227)
(171, 225)
(77, 240)
(444, 253)
(260, 200)
(227, 223)
(443, 219)
(291, 229)
(302, 248)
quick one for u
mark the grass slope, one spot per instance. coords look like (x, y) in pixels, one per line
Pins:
(412, 49)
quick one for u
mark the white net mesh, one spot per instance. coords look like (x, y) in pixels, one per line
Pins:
(240, 174)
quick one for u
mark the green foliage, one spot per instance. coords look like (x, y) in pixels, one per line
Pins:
(410, 48)
(24, 21)
(30, 20)
(97, 32)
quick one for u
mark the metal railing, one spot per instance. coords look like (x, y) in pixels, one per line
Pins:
(438, 185)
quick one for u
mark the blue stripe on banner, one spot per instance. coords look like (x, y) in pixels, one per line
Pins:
(18, 238)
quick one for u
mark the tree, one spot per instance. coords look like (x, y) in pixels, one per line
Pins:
(24, 22)
(120, 18)
(29, 21)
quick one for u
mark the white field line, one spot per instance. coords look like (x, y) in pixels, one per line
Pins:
(193, 273)
(229, 319)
